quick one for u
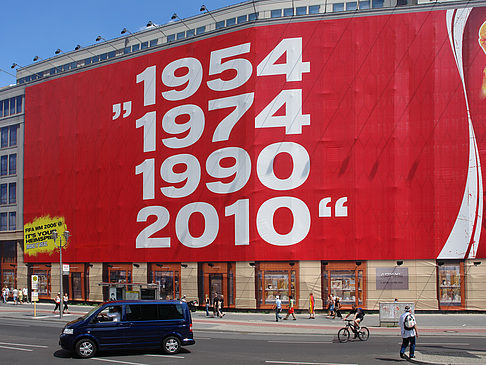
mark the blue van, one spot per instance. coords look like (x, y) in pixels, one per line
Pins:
(130, 324)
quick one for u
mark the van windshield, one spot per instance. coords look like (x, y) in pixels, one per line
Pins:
(91, 311)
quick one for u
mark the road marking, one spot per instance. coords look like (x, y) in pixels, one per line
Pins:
(117, 361)
(305, 363)
(15, 348)
(440, 344)
(22, 344)
(169, 356)
(300, 341)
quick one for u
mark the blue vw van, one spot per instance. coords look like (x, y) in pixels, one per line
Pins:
(130, 324)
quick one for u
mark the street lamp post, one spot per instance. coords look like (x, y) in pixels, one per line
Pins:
(54, 237)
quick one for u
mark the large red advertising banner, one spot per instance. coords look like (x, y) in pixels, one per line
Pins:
(332, 139)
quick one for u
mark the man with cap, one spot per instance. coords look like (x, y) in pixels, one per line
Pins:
(408, 333)
(278, 308)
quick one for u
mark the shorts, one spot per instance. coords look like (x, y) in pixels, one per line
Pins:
(291, 310)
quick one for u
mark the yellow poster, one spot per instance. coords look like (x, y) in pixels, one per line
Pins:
(38, 235)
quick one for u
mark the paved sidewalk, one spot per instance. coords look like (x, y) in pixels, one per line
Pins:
(453, 325)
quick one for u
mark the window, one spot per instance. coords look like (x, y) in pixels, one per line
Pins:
(144, 45)
(135, 47)
(12, 221)
(169, 283)
(314, 9)
(170, 311)
(153, 42)
(230, 22)
(345, 280)
(220, 24)
(142, 312)
(200, 30)
(103, 57)
(12, 164)
(171, 38)
(1, 108)
(3, 165)
(181, 35)
(3, 221)
(279, 278)
(3, 194)
(252, 17)
(95, 59)
(127, 50)
(289, 12)
(190, 33)
(338, 7)
(12, 106)
(13, 136)
(351, 6)
(4, 137)
(12, 193)
(364, 5)
(242, 19)
(19, 103)
(111, 54)
(451, 284)
(6, 108)
(43, 280)
(276, 13)
(377, 3)
(87, 62)
(301, 10)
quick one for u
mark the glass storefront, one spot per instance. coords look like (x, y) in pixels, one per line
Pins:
(345, 280)
(167, 276)
(451, 284)
(275, 279)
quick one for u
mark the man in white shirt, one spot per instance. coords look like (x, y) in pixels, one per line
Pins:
(408, 335)
(278, 308)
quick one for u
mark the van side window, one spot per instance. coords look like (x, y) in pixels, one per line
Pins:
(171, 311)
(141, 312)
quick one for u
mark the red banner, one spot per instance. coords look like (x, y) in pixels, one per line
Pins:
(333, 139)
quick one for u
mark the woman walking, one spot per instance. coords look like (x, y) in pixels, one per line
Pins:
(291, 308)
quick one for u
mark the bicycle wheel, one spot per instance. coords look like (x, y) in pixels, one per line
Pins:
(343, 335)
(363, 334)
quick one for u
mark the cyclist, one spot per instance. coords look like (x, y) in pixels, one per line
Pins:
(358, 317)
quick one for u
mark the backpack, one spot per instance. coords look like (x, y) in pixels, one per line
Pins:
(409, 322)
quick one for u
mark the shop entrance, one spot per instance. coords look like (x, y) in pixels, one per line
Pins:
(217, 279)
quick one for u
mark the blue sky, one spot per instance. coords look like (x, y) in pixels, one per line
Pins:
(37, 28)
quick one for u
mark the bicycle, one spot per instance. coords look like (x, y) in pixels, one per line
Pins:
(344, 333)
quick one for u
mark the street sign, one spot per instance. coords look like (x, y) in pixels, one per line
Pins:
(65, 269)
(35, 282)
(35, 296)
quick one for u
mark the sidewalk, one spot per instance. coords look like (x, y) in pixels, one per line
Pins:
(453, 325)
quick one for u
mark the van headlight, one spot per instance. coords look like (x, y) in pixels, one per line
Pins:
(68, 331)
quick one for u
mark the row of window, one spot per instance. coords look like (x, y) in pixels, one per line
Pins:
(8, 193)
(8, 136)
(301, 10)
(8, 221)
(8, 164)
(11, 106)
(357, 5)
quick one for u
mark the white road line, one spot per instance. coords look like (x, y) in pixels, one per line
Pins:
(300, 341)
(305, 363)
(169, 356)
(22, 344)
(15, 348)
(117, 361)
(440, 343)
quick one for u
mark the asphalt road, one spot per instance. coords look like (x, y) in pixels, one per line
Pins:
(36, 342)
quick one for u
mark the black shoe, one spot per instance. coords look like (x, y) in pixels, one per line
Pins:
(412, 356)
(402, 355)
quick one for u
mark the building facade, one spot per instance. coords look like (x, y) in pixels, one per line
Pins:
(267, 148)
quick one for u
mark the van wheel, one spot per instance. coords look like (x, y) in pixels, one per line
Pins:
(171, 345)
(85, 348)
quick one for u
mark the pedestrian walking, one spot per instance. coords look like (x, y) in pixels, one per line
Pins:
(291, 308)
(20, 296)
(312, 304)
(330, 307)
(4, 294)
(25, 294)
(58, 303)
(221, 306)
(337, 307)
(278, 308)
(215, 305)
(65, 300)
(408, 328)
(208, 302)
(15, 294)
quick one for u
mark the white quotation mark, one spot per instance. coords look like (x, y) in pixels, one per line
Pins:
(339, 209)
(127, 109)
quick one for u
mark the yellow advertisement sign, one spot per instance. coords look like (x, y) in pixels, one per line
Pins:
(37, 235)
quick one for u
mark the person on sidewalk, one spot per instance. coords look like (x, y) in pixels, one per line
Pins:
(207, 302)
(312, 304)
(215, 305)
(337, 307)
(330, 308)
(15, 293)
(278, 308)
(25, 293)
(221, 306)
(58, 303)
(21, 296)
(291, 308)
(65, 300)
(409, 332)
